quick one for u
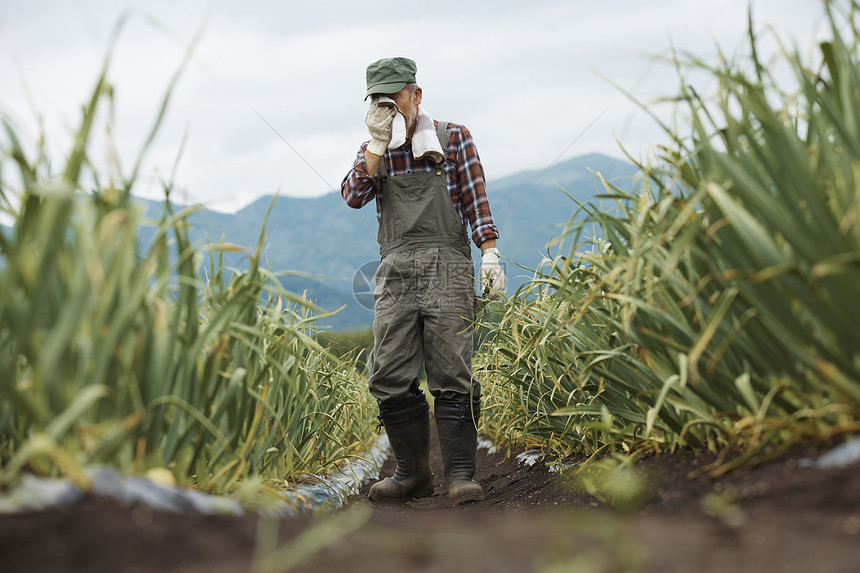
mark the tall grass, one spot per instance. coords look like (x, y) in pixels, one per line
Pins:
(718, 311)
(145, 356)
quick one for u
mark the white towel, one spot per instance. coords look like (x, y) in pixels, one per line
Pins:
(398, 125)
(425, 143)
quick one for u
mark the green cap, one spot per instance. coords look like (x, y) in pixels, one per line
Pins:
(389, 75)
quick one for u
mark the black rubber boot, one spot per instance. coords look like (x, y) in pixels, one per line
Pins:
(408, 427)
(458, 437)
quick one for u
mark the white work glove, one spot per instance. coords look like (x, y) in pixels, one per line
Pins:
(493, 281)
(378, 120)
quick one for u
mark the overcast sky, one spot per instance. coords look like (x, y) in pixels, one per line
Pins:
(525, 77)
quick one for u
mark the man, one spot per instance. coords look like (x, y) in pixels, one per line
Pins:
(427, 184)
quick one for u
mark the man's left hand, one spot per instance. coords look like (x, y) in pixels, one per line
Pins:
(493, 281)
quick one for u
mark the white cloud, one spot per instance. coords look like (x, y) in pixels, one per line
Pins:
(524, 78)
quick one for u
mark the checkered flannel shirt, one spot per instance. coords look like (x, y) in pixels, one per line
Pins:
(465, 177)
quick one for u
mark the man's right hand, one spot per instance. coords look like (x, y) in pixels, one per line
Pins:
(378, 120)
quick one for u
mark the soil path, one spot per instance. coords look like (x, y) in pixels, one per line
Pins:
(782, 516)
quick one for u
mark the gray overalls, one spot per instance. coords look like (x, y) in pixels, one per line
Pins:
(425, 290)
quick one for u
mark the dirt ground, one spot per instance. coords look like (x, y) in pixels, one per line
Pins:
(782, 516)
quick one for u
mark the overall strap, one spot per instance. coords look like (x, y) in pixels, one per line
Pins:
(444, 135)
(383, 169)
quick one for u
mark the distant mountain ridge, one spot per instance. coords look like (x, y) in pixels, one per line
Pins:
(324, 237)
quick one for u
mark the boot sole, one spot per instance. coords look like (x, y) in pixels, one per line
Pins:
(468, 498)
(426, 492)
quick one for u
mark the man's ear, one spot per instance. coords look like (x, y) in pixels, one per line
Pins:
(417, 95)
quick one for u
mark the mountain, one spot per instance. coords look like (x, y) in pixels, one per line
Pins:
(322, 236)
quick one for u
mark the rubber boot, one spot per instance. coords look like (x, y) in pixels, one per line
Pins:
(408, 427)
(456, 422)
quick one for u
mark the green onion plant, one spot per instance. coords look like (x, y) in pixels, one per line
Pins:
(716, 308)
(141, 356)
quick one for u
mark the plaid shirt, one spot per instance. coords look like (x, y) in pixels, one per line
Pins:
(465, 178)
